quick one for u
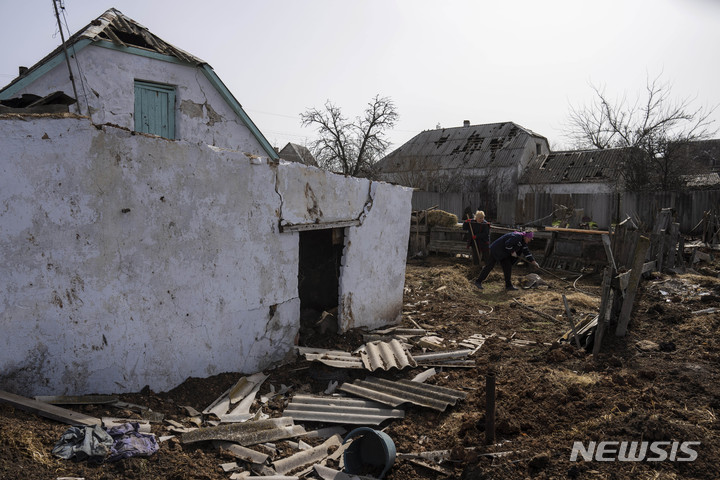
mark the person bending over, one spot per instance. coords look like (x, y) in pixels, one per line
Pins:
(505, 250)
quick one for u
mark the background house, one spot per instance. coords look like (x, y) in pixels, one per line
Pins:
(130, 259)
(479, 164)
(562, 182)
(297, 153)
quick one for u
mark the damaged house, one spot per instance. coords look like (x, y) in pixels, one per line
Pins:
(151, 233)
(583, 180)
(481, 164)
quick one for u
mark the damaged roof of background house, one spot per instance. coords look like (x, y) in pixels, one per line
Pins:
(574, 167)
(469, 146)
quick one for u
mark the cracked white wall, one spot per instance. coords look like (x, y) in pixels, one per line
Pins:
(372, 272)
(128, 260)
(105, 81)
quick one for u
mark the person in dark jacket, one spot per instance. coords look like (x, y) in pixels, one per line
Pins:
(478, 237)
(505, 250)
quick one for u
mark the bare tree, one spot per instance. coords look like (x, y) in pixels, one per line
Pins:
(346, 147)
(651, 128)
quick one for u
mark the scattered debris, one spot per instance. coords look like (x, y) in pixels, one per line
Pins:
(303, 458)
(342, 410)
(404, 391)
(241, 453)
(532, 280)
(248, 433)
(234, 405)
(386, 355)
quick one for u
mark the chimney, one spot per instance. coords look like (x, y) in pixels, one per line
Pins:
(466, 123)
(22, 71)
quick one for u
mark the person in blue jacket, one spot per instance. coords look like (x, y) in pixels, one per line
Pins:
(505, 250)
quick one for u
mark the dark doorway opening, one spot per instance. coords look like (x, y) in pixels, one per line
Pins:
(318, 282)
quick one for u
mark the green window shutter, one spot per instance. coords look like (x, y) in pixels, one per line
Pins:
(155, 109)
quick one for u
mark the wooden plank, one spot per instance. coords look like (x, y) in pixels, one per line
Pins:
(77, 400)
(47, 410)
(608, 252)
(634, 282)
(576, 230)
(624, 278)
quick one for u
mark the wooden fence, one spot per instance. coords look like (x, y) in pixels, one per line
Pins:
(536, 209)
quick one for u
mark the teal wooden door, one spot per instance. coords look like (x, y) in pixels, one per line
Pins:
(155, 109)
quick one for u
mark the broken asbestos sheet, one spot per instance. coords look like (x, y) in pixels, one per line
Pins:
(248, 433)
(234, 405)
(373, 356)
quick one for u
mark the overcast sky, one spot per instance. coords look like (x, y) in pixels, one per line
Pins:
(440, 61)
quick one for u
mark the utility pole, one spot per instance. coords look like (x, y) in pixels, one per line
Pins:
(67, 57)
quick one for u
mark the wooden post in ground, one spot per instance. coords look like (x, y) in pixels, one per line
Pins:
(605, 309)
(549, 247)
(635, 275)
(490, 408)
(671, 242)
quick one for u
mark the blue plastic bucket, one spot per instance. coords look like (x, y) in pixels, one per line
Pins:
(374, 449)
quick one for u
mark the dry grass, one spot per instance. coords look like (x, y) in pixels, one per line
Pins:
(567, 377)
(441, 218)
(25, 441)
(544, 299)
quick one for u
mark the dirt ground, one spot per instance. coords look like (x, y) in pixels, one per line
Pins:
(548, 394)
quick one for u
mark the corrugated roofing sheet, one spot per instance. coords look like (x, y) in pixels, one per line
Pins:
(248, 433)
(373, 356)
(396, 393)
(386, 355)
(340, 410)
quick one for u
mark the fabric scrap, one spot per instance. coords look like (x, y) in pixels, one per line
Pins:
(129, 442)
(91, 442)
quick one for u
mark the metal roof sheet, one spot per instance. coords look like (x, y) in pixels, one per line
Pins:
(395, 393)
(340, 410)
